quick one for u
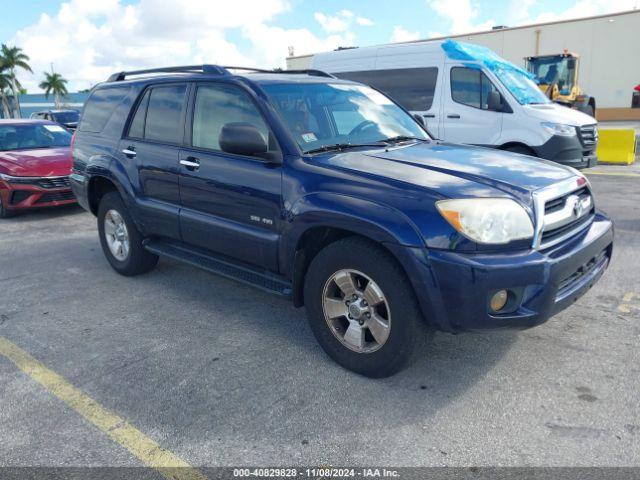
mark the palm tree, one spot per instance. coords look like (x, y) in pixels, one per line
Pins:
(12, 58)
(54, 83)
(4, 85)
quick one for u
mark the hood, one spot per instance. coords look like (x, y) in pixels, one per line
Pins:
(39, 162)
(456, 170)
(552, 112)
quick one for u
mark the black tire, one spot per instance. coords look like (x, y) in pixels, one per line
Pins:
(4, 213)
(138, 260)
(406, 325)
(521, 149)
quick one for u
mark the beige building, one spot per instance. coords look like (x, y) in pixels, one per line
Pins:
(608, 46)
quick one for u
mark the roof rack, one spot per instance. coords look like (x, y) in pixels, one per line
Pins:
(308, 71)
(212, 69)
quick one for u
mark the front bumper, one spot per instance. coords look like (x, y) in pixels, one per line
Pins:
(453, 288)
(27, 193)
(567, 151)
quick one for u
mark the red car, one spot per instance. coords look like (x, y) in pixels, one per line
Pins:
(35, 163)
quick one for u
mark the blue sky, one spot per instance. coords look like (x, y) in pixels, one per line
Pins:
(86, 39)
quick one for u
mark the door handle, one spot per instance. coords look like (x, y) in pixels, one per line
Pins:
(453, 115)
(130, 152)
(192, 163)
(429, 115)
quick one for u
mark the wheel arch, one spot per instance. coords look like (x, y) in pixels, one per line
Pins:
(508, 145)
(319, 220)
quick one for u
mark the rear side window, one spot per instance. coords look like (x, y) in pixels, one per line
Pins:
(413, 88)
(470, 87)
(164, 114)
(217, 105)
(136, 129)
(99, 108)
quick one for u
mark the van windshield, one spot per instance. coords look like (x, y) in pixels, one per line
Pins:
(525, 90)
(326, 114)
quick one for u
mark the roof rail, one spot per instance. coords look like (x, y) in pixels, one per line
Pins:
(213, 69)
(311, 71)
(307, 71)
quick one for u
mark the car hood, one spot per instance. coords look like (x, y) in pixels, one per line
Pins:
(455, 170)
(39, 162)
(554, 113)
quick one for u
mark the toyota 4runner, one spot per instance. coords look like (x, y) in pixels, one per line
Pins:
(327, 192)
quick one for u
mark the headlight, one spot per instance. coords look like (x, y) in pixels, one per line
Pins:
(559, 129)
(487, 220)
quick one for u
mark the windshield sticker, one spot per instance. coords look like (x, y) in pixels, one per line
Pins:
(309, 137)
(54, 128)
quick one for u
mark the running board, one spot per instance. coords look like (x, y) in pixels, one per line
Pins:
(223, 266)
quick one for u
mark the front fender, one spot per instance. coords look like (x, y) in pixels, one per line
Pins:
(379, 222)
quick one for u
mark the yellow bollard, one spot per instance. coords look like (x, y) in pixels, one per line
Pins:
(616, 146)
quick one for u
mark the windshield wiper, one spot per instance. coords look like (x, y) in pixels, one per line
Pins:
(402, 138)
(343, 146)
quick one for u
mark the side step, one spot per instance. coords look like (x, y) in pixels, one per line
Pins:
(223, 266)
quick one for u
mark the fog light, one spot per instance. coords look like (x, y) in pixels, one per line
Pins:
(499, 300)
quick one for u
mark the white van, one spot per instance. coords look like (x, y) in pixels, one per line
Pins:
(468, 94)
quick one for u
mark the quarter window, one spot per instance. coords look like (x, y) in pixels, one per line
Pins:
(471, 87)
(99, 108)
(413, 88)
(164, 114)
(136, 129)
(217, 105)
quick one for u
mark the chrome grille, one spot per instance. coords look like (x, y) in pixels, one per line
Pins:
(562, 211)
(588, 136)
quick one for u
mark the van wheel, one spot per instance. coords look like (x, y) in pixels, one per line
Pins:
(361, 307)
(121, 242)
(521, 149)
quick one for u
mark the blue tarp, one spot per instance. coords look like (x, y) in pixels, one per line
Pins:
(517, 80)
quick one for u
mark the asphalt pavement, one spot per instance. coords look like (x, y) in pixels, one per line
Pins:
(221, 374)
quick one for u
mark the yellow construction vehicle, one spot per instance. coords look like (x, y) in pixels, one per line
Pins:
(557, 76)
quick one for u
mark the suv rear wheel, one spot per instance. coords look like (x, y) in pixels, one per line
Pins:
(121, 242)
(362, 308)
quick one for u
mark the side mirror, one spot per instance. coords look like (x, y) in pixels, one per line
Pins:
(242, 138)
(420, 119)
(494, 102)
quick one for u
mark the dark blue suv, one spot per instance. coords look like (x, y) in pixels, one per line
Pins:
(327, 192)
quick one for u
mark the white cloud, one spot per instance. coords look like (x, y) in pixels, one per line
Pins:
(461, 14)
(582, 8)
(86, 40)
(332, 24)
(365, 22)
(401, 35)
(341, 22)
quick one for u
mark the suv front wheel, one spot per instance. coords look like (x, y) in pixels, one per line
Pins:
(362, 308)
(120, 239)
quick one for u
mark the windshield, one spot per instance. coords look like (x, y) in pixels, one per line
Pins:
(23, 137)
(521, 87)
(66, 117)
(321, 114)
(559, 70)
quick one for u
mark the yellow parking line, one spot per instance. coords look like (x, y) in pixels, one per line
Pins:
(149, 452)
(614, 174)
(625, 306)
